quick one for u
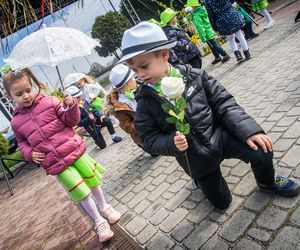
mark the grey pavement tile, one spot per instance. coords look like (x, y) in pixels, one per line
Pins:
(295, 218)
(146, 234)
(257, 201)
(159, 179)
(135, 226)
(159, 216)
(246, 244)
(200, 235)
(246, 185)
(177, 200)
(237, 225)
(200, 212)
(241, 169)
(173, 219)
(259, 234)
(214, 243)
(285, 202)
(288, 238)
(160, 241)
(158, 191)
(290, 158)
(182, 230)
(293, 131)
(272, 218)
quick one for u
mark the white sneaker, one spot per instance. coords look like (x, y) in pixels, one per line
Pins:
(103, 230)
(268, 25)
(110, 214)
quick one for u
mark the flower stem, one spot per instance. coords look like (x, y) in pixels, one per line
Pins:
(189, 168)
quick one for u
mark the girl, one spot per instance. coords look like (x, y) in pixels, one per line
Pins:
(44, 132)
(227, 21)
(204, 28)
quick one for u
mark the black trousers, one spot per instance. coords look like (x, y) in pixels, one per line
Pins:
(96, 134)
(214, 185)
(196, 61)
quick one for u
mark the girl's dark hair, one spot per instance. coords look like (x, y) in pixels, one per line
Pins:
(12, 77)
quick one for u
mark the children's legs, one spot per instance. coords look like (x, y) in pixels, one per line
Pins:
(99, 196)
(241, 38)
(267, 16)
(217, 47)
(90, 207)
(215, 188)
(261, 163)
(232, 43)
(215, 53)
(107, 123)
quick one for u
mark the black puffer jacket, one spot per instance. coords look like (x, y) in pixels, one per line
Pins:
(210, 110)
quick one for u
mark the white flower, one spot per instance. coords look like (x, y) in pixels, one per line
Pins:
(172, 87)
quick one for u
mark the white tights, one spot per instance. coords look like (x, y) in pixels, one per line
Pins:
(89, 204)
(267, 16)
(239, 35)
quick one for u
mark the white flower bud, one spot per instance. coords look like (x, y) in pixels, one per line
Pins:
(172, 87)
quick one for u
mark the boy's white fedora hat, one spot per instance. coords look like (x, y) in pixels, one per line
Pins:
(72, 78)
(120, 75)
(143, 38)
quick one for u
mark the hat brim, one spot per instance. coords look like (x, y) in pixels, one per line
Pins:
(77, 95)
(165, 45)
(126, 80)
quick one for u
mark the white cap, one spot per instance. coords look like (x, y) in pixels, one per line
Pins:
(120, 75)
(72, 78)
(143, 38)
(73, 91)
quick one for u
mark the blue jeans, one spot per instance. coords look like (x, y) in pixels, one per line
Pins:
(216, 49)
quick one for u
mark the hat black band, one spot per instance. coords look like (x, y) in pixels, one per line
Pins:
(76, 93)
(141, 47)
(124, 79)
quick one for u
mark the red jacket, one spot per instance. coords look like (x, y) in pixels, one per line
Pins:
(46, 127)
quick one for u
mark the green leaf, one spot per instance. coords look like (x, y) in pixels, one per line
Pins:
(172, 113)
(183, 127)
(181, 115)
(167, 106)
(180, 103)
(171, 119)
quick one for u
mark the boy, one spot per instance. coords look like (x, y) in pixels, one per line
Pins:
(185, 50)
(220, 128)
(92, 120)
(120, 101)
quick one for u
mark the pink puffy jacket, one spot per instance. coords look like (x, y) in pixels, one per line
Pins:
(46, 127)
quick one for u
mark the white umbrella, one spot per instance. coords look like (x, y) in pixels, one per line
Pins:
(50, 46)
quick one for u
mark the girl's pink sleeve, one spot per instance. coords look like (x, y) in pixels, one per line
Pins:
(70, 116)
(23, 145)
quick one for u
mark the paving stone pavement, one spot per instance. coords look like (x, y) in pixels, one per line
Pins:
(160, 206)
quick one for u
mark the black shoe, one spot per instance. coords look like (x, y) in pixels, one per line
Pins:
(282, 186)
(238, 55)
(247, 54)
(225, 58)
(254, 35)
(217, 60)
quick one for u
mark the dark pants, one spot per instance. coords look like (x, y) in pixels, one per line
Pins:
(214, 185)
(216, 49)
(196, 61)
(97, 136)
(248, 31)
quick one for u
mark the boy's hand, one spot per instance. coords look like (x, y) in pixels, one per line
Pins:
(68, 100)
(262, 140)
(38, 157)
(180, 141)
